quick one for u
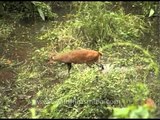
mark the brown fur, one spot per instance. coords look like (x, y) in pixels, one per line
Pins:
(78, 56)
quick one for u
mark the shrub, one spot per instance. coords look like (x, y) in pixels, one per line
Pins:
(91, 95)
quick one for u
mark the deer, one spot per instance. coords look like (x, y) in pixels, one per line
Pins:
(79, 56)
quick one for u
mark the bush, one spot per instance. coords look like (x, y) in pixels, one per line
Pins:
(98, 24)
(91, 95)
(94, 24)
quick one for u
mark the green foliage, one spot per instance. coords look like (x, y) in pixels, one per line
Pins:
(98, 24)
(151, 13)
(87, 92)
(50, 35)
(149, 8)
(132, 111)
(34, 109)
(61, 36)
(87, 30)
(139, 58)
(144, 8)
(5, 29)
(91, 95)
(87, 96)
(28, 9)
(17, 6)
(44, 10)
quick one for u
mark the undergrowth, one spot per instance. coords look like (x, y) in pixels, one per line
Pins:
(47, 91)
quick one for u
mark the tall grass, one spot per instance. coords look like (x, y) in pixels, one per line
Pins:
(95, 24)
(98, 24)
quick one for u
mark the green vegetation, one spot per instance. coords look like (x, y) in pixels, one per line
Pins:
(133, 112)
(39, 90)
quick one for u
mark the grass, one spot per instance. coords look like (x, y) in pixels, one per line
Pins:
(40, 90)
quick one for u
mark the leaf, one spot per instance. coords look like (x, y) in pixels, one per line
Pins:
(41, 14)
(39, 93)
(121, 112)
(151, 12)
(33, 102)
(33, 112)
(140, 112)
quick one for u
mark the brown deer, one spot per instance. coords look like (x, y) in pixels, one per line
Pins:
(78, 57)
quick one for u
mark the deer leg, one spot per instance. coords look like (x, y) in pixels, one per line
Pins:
(69, 65)
(101, 66)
